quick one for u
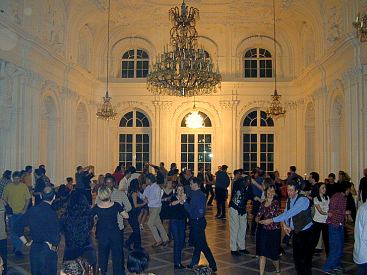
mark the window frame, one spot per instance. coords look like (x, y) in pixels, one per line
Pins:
(135, 131)
(135, 60)
(258, 130)
(258, 61)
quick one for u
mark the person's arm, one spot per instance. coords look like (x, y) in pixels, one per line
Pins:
(318, 207)
(301, 205)
(126, 202)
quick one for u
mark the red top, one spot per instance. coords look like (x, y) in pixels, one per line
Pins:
(269, 212)
(337, 207)
(118, 177)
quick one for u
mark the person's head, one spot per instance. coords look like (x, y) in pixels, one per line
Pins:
(110, 181)
(276, 175)
(7, 174)
(69, 180)
(134, 186)
(322, 189)
(267, 182)
(77, 204)
(48, 194)
(173, 166)
(292, 169)
(314, 177)
(341, 176)
(42, 166)
(180, 189)
(41, 171)
(137, 261)
(194, 183)
(236, 174)
(150, 179)
(118, 169)
(270, 191)
(100, 179)
(255, 173)
(331, 177)
(104, 193)
(79, 169)
(365, 172)
(28, 169)
(188, 173)
(344, 187)
(224, 168)
(161, 164)
(16, 176)
(292, 189)
(62, 192)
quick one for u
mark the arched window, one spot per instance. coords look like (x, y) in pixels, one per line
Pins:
(196, 145)
(257, 63)
(206, 120)
(134, 140)
(258, 141)
(135, 64)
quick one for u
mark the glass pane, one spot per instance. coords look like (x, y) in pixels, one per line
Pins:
(139, 147)
(191, 138)
(139, 138)
(183, 147)
(129, 147)
(146, 138)
(191, 157)
(183, 138)
(146, 147)
(129, 138)
(191, 148)
(270, 138)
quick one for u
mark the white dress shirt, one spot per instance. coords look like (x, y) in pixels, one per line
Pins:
(153, 193)
(360, 236)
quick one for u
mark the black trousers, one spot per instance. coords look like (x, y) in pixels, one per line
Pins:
(200, 245)
(221, 195)
(43, 260)
(4, 254)
(112, 243)
(317, 229)
(303, 251)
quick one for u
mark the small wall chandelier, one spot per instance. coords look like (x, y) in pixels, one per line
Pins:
(185, 70)
(361, 26)
(275, 110)
(105, 110)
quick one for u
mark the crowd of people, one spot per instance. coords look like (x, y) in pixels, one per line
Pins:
(309, 213)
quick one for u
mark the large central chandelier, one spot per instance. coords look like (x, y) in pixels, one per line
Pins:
(275, 110)
(185, 70)
(105, 110)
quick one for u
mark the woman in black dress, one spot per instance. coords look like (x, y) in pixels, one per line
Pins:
(77, 225)
(137, 204)
(268, 243)
(108, 233)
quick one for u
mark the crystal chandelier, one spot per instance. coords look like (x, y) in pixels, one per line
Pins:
(105, 110)
(361, 27)
(185, 70)
(275, 110)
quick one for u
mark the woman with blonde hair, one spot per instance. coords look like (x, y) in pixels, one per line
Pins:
(107, 232)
